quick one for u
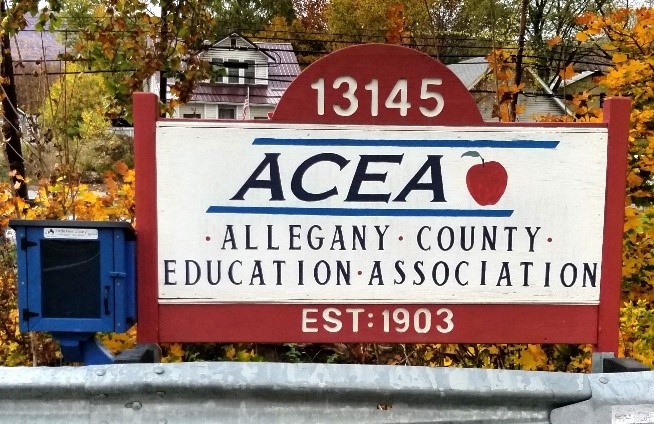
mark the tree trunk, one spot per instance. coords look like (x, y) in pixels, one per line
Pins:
(11, 124)
(520, 54)
(163, 80)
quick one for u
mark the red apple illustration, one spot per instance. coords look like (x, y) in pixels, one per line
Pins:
(486, 181)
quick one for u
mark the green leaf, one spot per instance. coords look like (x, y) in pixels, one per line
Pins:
(472, 154)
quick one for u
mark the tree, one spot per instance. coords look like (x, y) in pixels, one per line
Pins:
(443, 28)
(627, 36)
(128, 41)
(75, 136)
(312, 14)
(359, 21)
(556, 19)
(247, 16)
(308, 45)
(13, 20)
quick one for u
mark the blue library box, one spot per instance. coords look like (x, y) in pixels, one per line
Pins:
(75, 276)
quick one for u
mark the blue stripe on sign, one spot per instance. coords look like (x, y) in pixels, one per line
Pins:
(466, 144)
(255, 210)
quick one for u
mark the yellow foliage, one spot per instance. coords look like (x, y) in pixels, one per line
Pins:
(637, 331)
(503, 70)
(230, 352)
(629, 38)
(582, 37)
(533, 358)
(619, 57)
(555, 41)
(567, 73)
(117, 342)
(240, 353)
(172, 352)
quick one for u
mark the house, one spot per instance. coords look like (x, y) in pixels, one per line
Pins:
(257, 74)
(36, 65)
(537, 97)
(32, 47)
(35, 54)
(583, 82)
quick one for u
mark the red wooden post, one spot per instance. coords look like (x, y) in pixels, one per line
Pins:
(146, 111)
(616, 114)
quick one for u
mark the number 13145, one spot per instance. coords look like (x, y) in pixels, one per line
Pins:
(430, 102)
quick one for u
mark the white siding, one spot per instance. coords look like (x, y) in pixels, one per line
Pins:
(210, 111)
(260, 111)
(222, 50)
(153, 83)
(256, 112)
(191, 109)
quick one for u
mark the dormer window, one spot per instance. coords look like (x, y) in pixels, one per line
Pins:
(233, 42)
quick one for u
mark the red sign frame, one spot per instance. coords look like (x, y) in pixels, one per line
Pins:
(517, 323)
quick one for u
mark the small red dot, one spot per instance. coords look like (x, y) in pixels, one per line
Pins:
(360, 272)
(207, 238)
(549, 239)
(400, 238)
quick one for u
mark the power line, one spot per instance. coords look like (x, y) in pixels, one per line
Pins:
(105, 71)
(267, 65)
(448, 37)
(380, 34)
(450, 42)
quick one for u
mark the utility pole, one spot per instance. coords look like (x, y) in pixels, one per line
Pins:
(163, 80)
(10, 123)
(520, 54)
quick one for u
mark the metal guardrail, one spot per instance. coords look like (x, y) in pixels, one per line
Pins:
(318, 393)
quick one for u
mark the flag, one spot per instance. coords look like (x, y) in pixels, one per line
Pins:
(246, 106)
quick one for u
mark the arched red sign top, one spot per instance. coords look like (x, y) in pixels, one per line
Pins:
(377, 84)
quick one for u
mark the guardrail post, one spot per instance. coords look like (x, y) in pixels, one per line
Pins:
(606, 362)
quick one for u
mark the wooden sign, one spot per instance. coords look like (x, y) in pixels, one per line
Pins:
(376, 205)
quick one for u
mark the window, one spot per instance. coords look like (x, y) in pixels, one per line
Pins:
(217, 66)
(232, 42)
(249, 72)
(227, 113)
(232, 71)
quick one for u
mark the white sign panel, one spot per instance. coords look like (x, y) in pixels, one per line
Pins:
(292, 213)
(70, 233)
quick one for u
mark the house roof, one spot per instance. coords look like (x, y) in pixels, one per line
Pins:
(282, 69)
(470, 71)
(537, 99)
(252, 44)
(575, 78)
(30, 45)
(552, 97)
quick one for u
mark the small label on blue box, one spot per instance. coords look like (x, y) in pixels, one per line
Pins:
(71, 233)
